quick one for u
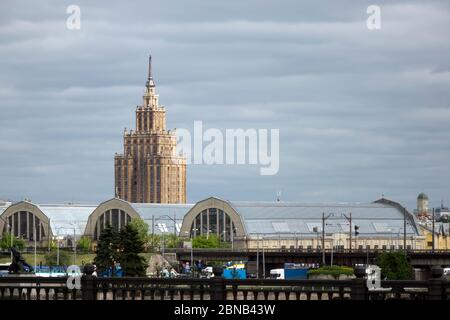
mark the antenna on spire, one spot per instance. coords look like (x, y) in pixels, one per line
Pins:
(149, 67)
(150, 82)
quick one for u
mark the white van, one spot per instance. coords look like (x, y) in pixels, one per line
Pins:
(277, 274)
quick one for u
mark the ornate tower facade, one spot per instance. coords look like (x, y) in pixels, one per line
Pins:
(149, 169)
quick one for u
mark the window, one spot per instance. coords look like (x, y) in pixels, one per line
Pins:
(214, 221)
(22, 223)
(116, 218)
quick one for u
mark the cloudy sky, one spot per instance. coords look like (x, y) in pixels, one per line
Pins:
(361, 112)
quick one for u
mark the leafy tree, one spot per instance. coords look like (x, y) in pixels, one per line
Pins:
(142, 228)
(154, 242)
(394, 266)
(130, 246)
(206, 242)
(84, 244)
(107, 249)
(5, 243)
(172, 241)
(51, 258)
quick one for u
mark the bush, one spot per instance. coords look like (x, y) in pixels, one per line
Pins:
(173, 241)
(84, 244)
(334, 271)
(394, 266)
(51, 258)
(209, 242)
(5, 243)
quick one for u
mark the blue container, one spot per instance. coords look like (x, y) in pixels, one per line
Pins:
(296, 274)
(232, 273)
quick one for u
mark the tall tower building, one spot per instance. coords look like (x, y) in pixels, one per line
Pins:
(149, 169)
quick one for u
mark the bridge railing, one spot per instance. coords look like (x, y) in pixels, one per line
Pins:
(127, 288)
(302, 250)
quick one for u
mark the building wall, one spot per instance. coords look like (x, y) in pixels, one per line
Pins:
(441, 242)
(314, 243)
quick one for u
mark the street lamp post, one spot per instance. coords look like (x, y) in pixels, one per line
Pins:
(349, 219)
(192, 246)
(323, 235)
(257, 256)
(404, 230)
(264, 259)
(367, 252)
(162, 247)
(74, 243)
(57, 250)
(74, 246)
(432, 233)
(35, 246)
(332, 247)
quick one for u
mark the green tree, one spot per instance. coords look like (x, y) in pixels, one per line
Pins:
(206, 242)
(51, 258)
(131, 245)
(172, 241)
(154, 242)
(5, 243)
(84, 244)
(107, 249)
(394, 266)
(142, 228)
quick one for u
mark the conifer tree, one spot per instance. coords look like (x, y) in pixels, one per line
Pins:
(131, 245)
(107, 250)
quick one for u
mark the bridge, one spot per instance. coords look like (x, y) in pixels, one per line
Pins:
(276, 258)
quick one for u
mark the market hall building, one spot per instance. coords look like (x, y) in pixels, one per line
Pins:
(243, 224)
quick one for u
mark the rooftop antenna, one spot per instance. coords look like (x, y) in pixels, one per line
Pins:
(278, 196)
(150, 82)
(149, 67)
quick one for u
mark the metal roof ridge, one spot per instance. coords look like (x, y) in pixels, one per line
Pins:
(161, 204)
(67, 205)
(309, 204)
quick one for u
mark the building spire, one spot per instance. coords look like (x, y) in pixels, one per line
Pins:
(150, 82)
(149, 67)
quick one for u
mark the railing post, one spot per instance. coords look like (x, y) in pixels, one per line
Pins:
(88, 290)
(435, 286)
(217, 288)
(359, 285)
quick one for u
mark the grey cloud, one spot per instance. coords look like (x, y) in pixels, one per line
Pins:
(360, 112)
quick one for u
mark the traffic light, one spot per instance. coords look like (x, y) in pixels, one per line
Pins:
(356, 230)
